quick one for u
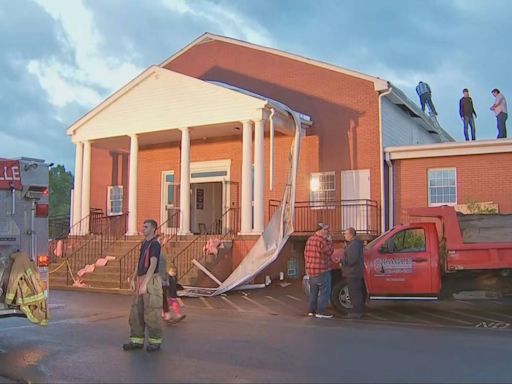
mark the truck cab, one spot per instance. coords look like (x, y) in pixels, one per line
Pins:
(404, 262)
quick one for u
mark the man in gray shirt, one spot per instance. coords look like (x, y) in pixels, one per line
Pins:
(500, 110)
(353, 270)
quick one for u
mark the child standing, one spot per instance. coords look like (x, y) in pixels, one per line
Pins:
(172, 294)
(166, 315)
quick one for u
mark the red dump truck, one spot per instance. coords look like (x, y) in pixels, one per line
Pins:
(438, 253)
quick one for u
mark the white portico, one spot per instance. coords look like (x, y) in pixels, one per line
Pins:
(161, 106)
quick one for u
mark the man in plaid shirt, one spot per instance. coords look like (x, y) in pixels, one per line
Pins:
(317, 256)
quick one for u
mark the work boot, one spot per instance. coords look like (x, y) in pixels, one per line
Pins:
(132, 346)
(153, 347)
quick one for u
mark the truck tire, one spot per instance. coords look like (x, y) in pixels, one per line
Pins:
(340, 298)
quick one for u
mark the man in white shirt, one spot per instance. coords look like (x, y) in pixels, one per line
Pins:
(500, 110)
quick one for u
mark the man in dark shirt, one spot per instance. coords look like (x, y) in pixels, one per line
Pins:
(353, 270)
(147, 287)
(466, 112)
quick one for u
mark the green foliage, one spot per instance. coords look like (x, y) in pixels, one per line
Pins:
(478, 209)
(61, 183)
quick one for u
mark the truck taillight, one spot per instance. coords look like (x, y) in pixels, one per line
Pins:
(43, 260)
(41, 210)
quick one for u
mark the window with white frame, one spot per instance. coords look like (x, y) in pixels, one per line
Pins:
(322, 188)
(442, 186)
(115, 200)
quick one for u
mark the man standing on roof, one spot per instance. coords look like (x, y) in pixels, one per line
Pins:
(147, 286)
(500, 110)
(466, 112)
(317, 257)
(424, 92)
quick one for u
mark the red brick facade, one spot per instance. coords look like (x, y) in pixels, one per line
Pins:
(480, 178)
(344, 109)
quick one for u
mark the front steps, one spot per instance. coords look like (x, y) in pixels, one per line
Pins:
(108, 276)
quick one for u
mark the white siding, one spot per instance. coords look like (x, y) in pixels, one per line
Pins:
(399, 128)
(163, 100)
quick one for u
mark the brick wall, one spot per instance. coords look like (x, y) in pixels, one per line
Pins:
(480, 178)
(101, 177)
(344, 109)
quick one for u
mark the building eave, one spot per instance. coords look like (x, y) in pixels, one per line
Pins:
(379, 84)
(449, 149)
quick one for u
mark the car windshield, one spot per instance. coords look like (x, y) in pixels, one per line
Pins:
(374, 241)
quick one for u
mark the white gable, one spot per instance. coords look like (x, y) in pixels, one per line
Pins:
(159, 100)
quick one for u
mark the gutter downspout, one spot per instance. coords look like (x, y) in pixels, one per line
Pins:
(381, 158)
(391, 190)
(272, 131)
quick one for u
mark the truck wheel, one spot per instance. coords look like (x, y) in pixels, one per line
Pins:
(340, 298)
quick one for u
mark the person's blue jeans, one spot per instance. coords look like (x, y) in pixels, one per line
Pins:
(501, 118)
(319, 292)
(469, 120)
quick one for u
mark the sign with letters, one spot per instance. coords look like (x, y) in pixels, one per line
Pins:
(10, 174)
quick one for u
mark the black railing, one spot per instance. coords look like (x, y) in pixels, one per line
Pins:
(64, 242)
(363, 215)
(108, 230)
(167, 232)
(58, 227)
(195, 250)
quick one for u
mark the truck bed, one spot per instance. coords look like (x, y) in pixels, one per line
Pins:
(485, 228)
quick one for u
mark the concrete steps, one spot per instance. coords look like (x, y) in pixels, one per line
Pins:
(108, 277)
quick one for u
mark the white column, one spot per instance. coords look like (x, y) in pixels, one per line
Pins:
(133, 182)
(246, 224)
(185, 183)
(86, 186)
(259, 176)
(77, 189)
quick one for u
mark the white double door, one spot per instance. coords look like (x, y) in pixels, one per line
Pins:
(355, 193)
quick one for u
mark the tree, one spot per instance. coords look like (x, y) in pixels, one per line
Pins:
(61, 183)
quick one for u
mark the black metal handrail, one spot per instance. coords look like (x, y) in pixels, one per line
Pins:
(194, 250)
(129, 259)
(71, 238)
(108, 230)
(363, 215)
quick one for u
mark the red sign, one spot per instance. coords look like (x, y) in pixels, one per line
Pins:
(10, 174)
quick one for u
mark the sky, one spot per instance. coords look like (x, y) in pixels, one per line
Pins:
(61, 58)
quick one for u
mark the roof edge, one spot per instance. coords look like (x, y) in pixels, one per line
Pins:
(449, 149)
(112, 98)
(379, 84)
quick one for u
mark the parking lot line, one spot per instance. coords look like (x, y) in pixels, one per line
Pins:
(206, 303)
(413, 318)
(259, 305)
(448, 318)
(283, 303)
(475, 317)
(239, 309)
(294, 298)
(372, 315)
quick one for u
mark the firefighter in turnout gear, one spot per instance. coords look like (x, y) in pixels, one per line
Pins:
(147, 287)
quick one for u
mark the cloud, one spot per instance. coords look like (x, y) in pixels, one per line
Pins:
(60, 58)
(225, 19)
(92, 73)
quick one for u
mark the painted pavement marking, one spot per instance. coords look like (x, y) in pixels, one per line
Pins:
(239, 309)
(259, 305)
(206, 303)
